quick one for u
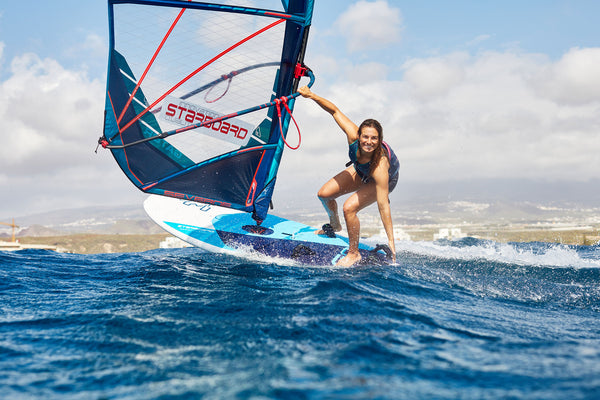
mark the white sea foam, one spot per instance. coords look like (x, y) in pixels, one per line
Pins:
(555, 255)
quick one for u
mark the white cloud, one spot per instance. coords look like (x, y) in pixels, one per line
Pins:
(368, 25)
(575, 78)
(48, 115)
(478, 40)
(50, 118)
(435, 76)
(92, 45)
(494, 123)
(368, 72)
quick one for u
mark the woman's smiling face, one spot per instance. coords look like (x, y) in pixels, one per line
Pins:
(368, 139)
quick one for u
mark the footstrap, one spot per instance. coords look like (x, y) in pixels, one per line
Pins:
(328, 230)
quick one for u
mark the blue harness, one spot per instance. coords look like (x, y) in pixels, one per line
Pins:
(363, 170)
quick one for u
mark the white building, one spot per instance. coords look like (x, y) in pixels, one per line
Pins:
(171, 242)
(399, 233)
(449, 233)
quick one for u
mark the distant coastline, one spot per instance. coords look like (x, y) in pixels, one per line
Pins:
(124, 243)
(82, 243)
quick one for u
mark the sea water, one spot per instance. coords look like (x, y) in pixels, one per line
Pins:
(469, 319)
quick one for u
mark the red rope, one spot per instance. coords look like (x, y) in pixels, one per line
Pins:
(277, 105)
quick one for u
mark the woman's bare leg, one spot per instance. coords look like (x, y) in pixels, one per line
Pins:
(343, 183)
(365, 196)
(331, 208)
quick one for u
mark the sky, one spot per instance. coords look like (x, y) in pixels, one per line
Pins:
(467, 91)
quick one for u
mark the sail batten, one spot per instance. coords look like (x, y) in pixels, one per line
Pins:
(190, 93)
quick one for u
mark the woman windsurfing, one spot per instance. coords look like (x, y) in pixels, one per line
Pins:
(370, 176)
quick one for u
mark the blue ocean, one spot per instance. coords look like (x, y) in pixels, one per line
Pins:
(467, 319)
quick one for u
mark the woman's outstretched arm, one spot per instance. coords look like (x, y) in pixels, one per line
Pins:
(349, 127)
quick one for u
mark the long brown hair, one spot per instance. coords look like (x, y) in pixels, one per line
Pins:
(378, 152)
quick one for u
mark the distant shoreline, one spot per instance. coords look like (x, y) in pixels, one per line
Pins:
(87, 243)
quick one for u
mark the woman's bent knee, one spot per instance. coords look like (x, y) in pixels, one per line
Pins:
(349, 208)
(325, 195)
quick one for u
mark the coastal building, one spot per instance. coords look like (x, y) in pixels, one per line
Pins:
(449, 234)
(399, 233)
(14, 246)
(171, 242)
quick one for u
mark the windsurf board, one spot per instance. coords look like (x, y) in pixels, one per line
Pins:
(219, 229)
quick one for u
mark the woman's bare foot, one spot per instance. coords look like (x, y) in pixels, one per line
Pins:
(350, 259)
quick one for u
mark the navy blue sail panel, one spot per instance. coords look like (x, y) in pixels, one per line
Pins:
(222, 182)
(185, 81)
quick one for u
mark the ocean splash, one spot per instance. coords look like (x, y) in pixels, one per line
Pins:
(523, 254)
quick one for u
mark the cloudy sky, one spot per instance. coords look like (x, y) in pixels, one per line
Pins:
(465, 90)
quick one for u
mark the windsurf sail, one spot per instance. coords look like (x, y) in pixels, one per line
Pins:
(199, 95)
